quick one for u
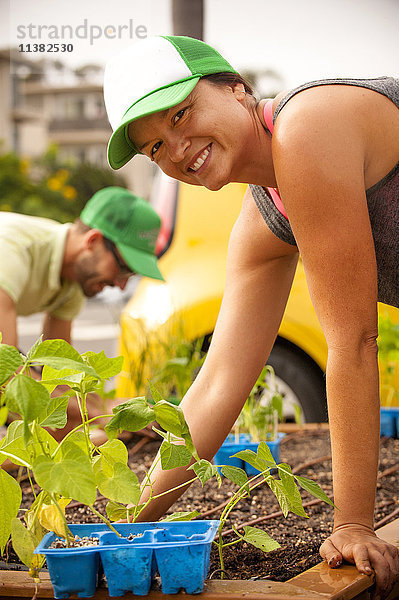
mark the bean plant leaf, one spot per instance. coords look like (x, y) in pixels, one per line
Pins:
(122, 487)
(77, 438)
(264, 454)
(156, 396)
(53, 377)
(49, 517)
(10, 501)
(181, 516)
(104, 367)
(3, 415)
(10, 361)
(291, 490)
(70, 478)
(288, 499)
(278, 490)
(190, 445)
(116, 511)
(14, 447)
(253, 459)
(174, 455)
(133, 415)
(259, 538)
(34, 347)
(114, 451)
(313, 488)
(28, 398)
(32, 522)
(55, 413)
(205, 471)
(61, 356)
(72, 451)
(170, 417)
(236, 475)
(111, 452)
(22, 542)
(58, 354)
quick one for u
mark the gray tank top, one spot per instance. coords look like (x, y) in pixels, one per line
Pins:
(382, 199)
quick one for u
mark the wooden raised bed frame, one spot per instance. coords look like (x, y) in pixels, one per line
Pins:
(319, 582)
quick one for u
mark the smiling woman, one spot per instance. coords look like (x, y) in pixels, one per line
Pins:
(323, 164)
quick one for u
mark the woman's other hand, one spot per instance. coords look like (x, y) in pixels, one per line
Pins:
(360, 546)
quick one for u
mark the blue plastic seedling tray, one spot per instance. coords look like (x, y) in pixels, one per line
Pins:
(389, 423)
(179, 550)
(230, 447)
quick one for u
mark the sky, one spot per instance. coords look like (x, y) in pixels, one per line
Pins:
(300, 39)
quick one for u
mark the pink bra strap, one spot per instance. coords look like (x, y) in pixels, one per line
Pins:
(268, 116)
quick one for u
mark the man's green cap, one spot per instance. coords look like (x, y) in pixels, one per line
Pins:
(130, 223)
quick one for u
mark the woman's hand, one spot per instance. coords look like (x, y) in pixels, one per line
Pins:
(360, 546)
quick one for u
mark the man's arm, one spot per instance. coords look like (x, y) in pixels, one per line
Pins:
(8, 319)
(55, 328)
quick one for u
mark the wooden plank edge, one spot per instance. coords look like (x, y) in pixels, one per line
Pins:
(318, 582)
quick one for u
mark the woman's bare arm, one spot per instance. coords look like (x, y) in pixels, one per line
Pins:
(320, 151)
(259, 277)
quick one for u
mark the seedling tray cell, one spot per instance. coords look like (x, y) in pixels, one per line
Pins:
(389, 423)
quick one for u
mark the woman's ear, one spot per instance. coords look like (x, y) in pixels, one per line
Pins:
(239, 91)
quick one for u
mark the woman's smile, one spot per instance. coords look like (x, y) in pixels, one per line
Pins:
(200, 160)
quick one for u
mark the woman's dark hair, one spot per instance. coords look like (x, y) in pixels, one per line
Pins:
(229, 79)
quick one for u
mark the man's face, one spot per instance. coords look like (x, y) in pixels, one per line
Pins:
(100, 265)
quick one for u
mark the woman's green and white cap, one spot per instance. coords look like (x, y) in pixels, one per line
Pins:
(153, 75)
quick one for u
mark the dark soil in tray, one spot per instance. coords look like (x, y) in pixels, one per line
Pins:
(299, 538)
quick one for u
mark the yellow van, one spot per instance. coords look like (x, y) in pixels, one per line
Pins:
(196, 224)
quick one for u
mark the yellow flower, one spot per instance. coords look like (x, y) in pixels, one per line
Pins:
(69, 192)
(24, 165)
(54, 184)
(62, 175)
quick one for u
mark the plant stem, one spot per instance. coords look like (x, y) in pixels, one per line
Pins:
(232, 543)
(175, 488)
(31, 483)
(81, 398)
(98, 514)
(241, 493)
(220, 550)
(16, 458)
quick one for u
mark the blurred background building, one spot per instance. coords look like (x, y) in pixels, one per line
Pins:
(48, 103)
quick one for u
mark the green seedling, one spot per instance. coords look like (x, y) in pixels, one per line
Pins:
(263, 409)
(284, 487)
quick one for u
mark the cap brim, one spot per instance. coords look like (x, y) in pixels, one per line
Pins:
(120, 148)
(141, 262)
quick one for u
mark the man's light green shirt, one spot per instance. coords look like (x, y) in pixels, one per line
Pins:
(31, 255)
